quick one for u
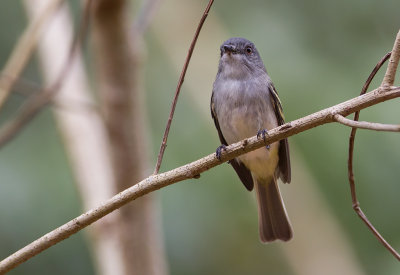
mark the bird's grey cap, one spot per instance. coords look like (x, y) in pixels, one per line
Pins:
(244, 48)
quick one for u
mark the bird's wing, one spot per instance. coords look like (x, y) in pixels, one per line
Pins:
(284, 158)
(241, 170)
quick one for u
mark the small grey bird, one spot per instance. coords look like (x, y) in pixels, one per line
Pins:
(244, 102)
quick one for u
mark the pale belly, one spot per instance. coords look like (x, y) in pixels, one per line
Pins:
(242, 123)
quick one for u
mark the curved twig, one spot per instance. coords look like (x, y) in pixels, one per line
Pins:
(355, 202)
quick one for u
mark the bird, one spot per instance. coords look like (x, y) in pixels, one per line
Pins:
(244, 102)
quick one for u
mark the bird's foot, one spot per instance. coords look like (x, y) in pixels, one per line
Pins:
(263, 133)
(219, 151)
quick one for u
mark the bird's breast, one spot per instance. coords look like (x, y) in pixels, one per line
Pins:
(243, 108)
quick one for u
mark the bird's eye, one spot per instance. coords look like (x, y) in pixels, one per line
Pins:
(249, 50)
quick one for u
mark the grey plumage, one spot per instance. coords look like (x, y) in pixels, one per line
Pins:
(244, 101)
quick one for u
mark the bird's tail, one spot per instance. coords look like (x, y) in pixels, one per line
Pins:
(272, 217)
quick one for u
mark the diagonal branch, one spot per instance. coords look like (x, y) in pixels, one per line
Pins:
(191, 170)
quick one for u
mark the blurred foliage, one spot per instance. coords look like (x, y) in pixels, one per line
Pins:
(318, 53)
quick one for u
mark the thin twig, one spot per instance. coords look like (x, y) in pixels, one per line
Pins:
(193, 169)
(40, 100)
(367, 125)
(355, 202)
(388, 79)
(178, 88)
(23, 50)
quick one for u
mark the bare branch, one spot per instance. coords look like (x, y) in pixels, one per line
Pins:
(24, 49)
(191, 170)
(39, 101)
(367, 125)
(178, 88)
(388, 79)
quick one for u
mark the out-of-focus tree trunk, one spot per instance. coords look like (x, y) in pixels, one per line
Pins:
(117, 79)
(83, 134)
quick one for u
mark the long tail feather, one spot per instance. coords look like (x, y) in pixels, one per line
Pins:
(272, 217)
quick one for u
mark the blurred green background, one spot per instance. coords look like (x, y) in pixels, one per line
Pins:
(318, 54)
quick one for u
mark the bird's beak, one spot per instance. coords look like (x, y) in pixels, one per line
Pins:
(229, 48)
